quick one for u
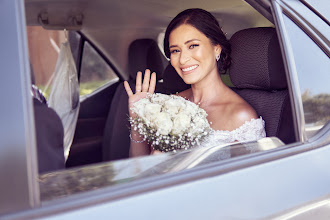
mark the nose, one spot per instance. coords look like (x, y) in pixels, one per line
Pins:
(184, 57)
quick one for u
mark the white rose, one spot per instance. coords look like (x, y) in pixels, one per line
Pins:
(181, 123)
(199, 123)
(202, 113)
(151, 111)
(159, 98)
(163, 123)
(173, 106)
(191, 108)
(139, 106)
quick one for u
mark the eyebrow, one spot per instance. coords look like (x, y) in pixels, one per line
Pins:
(187, 42)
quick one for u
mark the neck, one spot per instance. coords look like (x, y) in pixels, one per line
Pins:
(208, 90)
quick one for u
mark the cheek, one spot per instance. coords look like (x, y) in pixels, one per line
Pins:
(174, 63)
(201, 54)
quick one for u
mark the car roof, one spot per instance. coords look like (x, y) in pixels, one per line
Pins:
(113, 25)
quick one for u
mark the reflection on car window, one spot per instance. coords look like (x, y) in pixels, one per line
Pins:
(86, 178)
(95, 72)
(313, 67)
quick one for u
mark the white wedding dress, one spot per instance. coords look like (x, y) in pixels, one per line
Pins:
(250, 131)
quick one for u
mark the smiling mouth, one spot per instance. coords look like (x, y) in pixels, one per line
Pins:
(189, 68)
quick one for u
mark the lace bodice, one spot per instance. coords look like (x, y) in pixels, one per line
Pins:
(250, 131)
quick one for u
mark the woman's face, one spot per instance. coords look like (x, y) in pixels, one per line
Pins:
(192, 54)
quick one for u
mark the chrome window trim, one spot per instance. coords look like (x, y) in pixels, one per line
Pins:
(312, 8)
(315, 33)
(291, 72)
(281, 7)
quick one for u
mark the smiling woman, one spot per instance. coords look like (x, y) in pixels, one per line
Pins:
(207, 25)
(197, 49)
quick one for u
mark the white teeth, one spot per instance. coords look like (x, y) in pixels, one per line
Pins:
(190, 68)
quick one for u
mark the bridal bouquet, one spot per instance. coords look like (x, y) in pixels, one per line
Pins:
(169, 122)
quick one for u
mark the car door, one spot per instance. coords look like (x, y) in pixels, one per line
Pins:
(282, 182)
(98, 80)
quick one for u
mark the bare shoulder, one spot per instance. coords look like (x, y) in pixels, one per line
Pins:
(233, 115)
(241, 113)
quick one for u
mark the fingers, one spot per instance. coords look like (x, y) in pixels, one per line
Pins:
(149, 82)
(128, 89)
(146, 80)
(138, 85)
(152, 85)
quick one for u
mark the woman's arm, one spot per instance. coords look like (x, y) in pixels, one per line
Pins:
(139, 147)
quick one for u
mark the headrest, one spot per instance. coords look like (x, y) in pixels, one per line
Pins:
(256, 60)
(145, 54)
(172, 82)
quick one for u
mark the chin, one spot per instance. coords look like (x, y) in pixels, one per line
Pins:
(189, 80)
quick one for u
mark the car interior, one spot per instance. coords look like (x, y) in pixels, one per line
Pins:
(128, 37)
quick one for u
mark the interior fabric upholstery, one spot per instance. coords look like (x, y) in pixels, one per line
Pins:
(49, 137)
(256, 60)
(143, 54)
(173, 83)
(258, 73)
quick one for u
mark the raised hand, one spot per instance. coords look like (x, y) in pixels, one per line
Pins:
(142, 89)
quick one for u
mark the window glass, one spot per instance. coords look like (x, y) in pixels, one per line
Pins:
(95, 72)
(313, 67)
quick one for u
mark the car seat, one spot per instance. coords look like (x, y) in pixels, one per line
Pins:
(258, 74)
(257, 71)
(142, 54)
(172, 82)
(49, 132)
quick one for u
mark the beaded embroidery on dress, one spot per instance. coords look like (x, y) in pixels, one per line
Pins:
(250, 131)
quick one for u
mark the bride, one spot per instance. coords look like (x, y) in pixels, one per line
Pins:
(199, 50)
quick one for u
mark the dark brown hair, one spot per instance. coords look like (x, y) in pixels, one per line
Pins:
(206, 23)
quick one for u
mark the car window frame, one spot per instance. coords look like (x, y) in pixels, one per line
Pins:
(281, 8)
(18, 152)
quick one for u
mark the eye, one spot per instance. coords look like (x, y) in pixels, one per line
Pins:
(174, 51)
(193, 46)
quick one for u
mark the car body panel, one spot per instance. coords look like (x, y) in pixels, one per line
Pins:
(17, 145)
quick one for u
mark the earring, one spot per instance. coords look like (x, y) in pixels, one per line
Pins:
(217, 57)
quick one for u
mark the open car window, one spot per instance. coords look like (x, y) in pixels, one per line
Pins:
(96, 75)
(313, 78)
